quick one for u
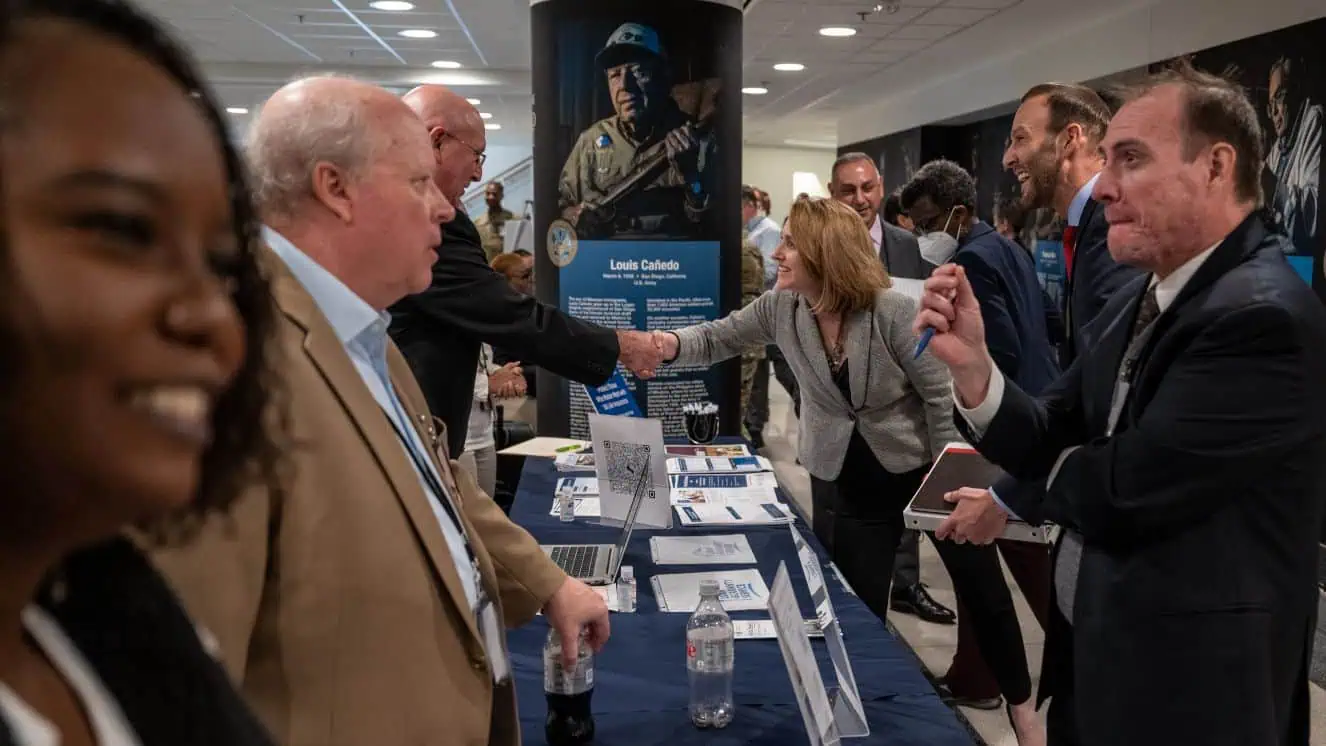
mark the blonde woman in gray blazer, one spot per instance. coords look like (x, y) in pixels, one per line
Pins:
(872, 418)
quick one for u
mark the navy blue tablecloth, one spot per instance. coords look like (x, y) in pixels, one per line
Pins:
(640, 695)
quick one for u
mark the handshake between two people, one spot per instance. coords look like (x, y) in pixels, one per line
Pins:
(949, 307)
(644, 352)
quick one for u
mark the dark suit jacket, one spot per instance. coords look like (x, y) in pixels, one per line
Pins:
(1196, 599)
(1093, 279)
(901, 254)
(440, 330)
(132, 631)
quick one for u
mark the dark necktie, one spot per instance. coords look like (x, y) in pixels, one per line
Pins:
(1069, 557)
(1146, 312)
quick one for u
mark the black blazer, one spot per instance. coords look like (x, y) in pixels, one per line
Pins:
(1094, 278)
(133, 632)
(1017, 313)
(440, 329)
(1196, 600)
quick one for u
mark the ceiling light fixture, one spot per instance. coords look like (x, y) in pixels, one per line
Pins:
(472, 101)
(789, 67)
(754, 90)
(392, 5)
(418, 33)
(485, 115)
(236, 110)
(491, 126)
(838, 31)
(446, 64)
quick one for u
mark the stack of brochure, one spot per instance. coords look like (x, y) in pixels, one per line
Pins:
(718, 464)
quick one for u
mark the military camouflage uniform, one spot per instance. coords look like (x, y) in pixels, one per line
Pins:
(752, 285)
(490, 230)
(604, 156)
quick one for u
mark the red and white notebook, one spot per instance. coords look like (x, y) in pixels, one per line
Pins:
(960, 466)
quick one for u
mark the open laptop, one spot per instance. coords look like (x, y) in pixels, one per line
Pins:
(598, 564)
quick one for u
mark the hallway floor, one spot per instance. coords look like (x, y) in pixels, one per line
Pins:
(934, 644)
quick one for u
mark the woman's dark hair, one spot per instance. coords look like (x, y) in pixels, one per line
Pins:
(250, 419)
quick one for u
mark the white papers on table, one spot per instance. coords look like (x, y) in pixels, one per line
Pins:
(609, 595)
(585, 507)
(545, 447)
(738, 590)
(724, 481)
(718, 464)
(734, 449)
(716, 549)
(763, 629)
(740, 514)
(578, 486)
(723, 495)
(575, 462)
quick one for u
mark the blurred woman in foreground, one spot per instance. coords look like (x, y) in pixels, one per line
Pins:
(134, 388)
(873, 418)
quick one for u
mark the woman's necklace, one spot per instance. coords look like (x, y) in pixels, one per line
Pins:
(833, 349)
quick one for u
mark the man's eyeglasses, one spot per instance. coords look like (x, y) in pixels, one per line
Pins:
(479, 155)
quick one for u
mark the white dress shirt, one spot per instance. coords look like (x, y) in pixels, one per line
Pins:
(109, 725)
(980, 416)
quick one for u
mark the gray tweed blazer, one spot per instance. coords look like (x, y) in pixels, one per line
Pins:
(904, 408)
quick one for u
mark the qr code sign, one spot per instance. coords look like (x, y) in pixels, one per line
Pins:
(625, 462)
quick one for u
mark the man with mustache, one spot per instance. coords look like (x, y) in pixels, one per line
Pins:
(1052, 149)
(670, 204)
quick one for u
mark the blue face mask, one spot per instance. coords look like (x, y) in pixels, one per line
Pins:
(937, 247)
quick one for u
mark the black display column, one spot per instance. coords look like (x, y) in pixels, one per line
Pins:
(629, 234)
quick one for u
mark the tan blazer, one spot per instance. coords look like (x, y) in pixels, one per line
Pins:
(338, 608)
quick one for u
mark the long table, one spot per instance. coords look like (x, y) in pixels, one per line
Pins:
(640, 684)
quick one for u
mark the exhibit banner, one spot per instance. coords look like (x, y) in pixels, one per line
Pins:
(1284, 73)
(637, 162)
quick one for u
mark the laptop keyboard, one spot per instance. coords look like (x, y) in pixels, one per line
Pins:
(578, 562)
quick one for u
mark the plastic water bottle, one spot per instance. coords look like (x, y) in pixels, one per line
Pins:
(567, 508)
(568, 691)
(709, 655)
(626, 589)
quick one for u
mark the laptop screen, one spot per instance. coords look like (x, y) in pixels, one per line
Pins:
(642, 490)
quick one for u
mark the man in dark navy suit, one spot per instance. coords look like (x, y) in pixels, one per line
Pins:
(1053, 150)
(1018, 318)
(1185, 449)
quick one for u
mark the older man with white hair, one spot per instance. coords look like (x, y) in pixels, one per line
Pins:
(363, 603)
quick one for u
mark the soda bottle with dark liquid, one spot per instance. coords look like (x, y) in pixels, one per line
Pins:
(568, 691)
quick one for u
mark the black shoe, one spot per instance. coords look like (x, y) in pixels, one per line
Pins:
(916, 601)
(756, 439)
(947, 696)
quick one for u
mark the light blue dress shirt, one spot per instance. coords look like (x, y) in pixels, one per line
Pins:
(363, 333)
(1079, 203)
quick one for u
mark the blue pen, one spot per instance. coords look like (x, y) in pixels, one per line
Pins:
(926, 336)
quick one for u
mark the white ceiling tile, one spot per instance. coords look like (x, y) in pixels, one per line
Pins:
(995, 4)
(954, 16)
(917, 32)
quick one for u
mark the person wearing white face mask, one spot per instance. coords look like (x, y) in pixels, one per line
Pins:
(1018, 315)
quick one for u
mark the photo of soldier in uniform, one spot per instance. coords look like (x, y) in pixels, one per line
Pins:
(1293, 153)
(646, 171)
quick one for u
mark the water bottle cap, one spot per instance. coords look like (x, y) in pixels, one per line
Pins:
(628, 572)
(708, 587)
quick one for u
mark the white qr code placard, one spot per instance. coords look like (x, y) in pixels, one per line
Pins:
(625, 448)
(624, 463)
